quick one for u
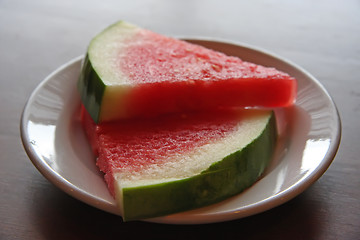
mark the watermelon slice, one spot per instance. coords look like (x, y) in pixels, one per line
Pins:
(176, 162)
(130, 72)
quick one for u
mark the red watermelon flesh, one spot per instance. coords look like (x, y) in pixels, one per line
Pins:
(133, 145)
(132, 72)
(171, 75)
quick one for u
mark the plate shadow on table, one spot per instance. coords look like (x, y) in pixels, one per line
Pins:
(76, 220)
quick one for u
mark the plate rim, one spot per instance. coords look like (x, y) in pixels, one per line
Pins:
(252, 209)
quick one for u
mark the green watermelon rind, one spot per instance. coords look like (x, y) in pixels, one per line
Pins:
(91, 85)
(91, 89)
(226, 178)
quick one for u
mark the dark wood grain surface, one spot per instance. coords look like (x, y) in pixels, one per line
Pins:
(38, 36)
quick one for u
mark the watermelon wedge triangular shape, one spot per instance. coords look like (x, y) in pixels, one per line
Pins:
(177, 162)
(133, 72)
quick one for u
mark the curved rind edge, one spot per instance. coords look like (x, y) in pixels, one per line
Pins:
(224, 179)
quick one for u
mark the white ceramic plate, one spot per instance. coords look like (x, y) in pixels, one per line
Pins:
(309, 137)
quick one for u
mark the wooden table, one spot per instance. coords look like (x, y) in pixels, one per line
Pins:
(38, 36)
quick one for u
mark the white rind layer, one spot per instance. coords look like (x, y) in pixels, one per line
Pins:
(105, 50)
